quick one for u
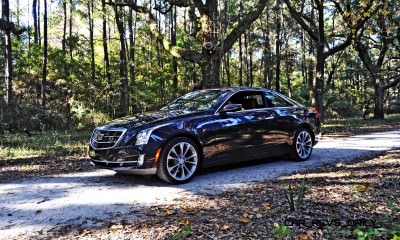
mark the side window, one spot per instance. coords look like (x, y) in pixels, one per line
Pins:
(249, 100)
(276, 101)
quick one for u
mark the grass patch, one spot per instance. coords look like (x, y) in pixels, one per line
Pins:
(21, 145)
(47, 144)
(347, 126)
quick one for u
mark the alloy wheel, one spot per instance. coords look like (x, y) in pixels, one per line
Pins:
(182, 160)
(304, 144)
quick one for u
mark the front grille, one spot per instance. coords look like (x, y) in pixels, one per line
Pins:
(105, 139)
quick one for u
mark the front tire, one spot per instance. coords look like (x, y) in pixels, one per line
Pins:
(179, 161)
(302, 145)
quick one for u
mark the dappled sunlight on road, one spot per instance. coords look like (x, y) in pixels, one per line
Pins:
(83, 198)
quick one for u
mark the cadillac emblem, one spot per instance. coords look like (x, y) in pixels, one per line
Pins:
(99, 136)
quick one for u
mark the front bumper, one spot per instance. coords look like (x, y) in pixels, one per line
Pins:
(317, 138)
(138, 160)
(129, 170)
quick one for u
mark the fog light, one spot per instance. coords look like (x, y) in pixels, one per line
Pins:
(140, 160)
(92, 153)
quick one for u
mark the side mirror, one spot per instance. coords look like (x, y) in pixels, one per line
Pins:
(231, 108)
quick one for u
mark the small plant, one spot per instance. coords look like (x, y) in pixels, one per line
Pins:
(364, 233)
(290, 195)
(281, 231)
(183, 233)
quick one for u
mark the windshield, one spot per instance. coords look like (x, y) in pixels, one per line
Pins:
(196, 101)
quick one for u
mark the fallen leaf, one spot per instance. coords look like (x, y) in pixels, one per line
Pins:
(362, 188)
(244, 220)
(266, 206)
(225, 227)
(302, 237)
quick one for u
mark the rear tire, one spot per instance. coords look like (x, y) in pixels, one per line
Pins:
(179, 161)
(302, 145)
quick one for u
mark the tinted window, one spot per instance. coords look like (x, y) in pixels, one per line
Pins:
(274, 100)
(248, 99)
(196, 101)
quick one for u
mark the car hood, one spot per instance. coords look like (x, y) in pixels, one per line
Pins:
(140, 119)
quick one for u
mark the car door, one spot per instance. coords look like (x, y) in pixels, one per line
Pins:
(284, 124)
(237, 136)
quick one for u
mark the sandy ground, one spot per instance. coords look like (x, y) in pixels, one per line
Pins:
(88, 198)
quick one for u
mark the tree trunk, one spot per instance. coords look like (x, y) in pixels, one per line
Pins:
(210, 51)
(8, 67)
(251, 65)
(124, 101)
(70, 29)
(267, 53)
(240, 49)
(278, 17)
(132, 43)
(246, 56)
(318, 91)
(64, 26)
(228, 68)
(45, 43)
(91, 40)
(35, 22)
(210, 72)
(378, 101)
(105, 44)
(174, 60)
(303, 57)
(38, 23)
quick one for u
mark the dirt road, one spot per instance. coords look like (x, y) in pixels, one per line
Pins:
(87, 198)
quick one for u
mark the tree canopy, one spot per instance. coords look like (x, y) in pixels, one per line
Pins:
(76, 63)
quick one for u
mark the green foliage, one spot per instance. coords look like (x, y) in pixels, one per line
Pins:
(183, 233)
(75, 100)
(281, 232)
(295, 203)
(364, 233)
(43, 144)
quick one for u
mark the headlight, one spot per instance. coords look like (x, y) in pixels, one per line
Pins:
(144, 135)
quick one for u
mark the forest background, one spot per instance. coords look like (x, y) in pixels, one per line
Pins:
(72, 64)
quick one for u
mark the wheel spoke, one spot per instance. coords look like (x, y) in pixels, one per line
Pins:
(193, 162)
(171, 157)
(171, 168)
(184, 167)
(174, 173)
(182, 147)
(192, 156)
(174, 152)
(187, 150)
(183, 176)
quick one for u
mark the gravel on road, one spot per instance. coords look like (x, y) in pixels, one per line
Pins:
(88, 198)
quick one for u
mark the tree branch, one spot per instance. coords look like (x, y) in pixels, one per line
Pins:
(339, 47)
(12, 27)
(366, 59)
(300, 19)
(200, 6)
(392, 83)
(178, 52)
(244, 24)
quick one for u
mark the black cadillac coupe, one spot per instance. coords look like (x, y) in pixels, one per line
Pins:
(206, 128)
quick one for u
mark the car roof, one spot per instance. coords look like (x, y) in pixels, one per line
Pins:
(242, 88)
